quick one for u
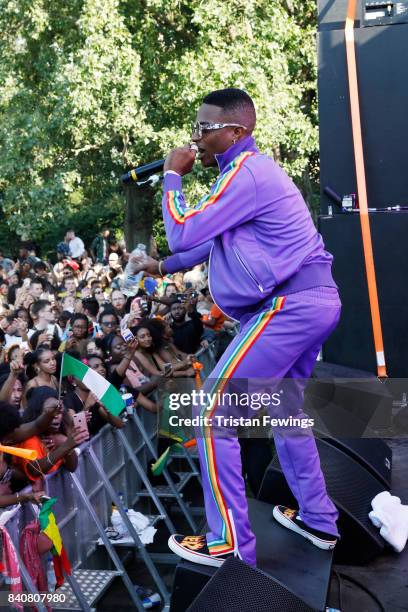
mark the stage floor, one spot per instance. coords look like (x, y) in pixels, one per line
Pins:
(386, 576)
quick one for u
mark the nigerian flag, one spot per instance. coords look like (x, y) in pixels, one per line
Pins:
(106, 393)
(48, 525)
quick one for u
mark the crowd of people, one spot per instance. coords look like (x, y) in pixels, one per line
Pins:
(138, 339)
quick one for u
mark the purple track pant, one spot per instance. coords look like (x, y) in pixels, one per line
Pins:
(280, 342)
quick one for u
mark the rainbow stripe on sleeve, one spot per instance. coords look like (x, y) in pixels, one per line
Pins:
(175, 202)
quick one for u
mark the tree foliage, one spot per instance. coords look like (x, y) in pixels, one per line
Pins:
(88, 89)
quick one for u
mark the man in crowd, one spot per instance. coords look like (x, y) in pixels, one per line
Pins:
(118, 301)
(91, 309)
(100, 247)
(43, 317)
(15, 330)
(186, 325)
(69, 285)
(41, 270)
(37, 287)
(108, 321)
(76, 245)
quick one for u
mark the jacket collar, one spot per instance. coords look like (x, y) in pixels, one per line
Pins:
(245, 144)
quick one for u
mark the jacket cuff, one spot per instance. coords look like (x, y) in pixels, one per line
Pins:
(173, 263)
(172, 182)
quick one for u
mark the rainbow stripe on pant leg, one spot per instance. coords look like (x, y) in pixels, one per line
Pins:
(226, 543)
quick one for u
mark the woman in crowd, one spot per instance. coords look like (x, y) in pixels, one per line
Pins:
(79, 327)
(14, 353)
(56, 445)
(80, 399)
(10, 476)
(162, 335)
(147, 355)
(92, 347)
(24, 315)
(124, 371)
(41, 368)
(14, 284)
(45, 338)
(166, 299)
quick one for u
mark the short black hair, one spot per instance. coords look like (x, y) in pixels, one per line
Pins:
(91, 305)
(37, 306)
(53, 344)
(37, 280)
(108, 311)
(79, 316)
(35, 405)
(229, 99)
(40, 265)
(10, 419)
(176, 300)
(65, 316)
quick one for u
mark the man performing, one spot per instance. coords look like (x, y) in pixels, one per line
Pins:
(269, 270)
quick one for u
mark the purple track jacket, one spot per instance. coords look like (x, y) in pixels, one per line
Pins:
(254, 227)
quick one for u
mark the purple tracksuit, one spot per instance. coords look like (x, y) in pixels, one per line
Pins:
(269, 270)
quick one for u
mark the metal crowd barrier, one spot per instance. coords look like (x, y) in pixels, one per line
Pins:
(113, 461)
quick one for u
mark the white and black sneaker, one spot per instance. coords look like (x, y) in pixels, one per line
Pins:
(290, 518)
(195, 549)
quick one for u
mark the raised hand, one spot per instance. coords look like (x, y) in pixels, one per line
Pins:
(144, 263)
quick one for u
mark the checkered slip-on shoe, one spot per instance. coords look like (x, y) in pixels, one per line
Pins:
(195, 549)
(290, 518)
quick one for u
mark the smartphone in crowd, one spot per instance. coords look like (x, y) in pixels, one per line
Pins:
(80, 423)
(50, 329)
(135, 305)
(167, 368)
(144, 304)
(125, 332)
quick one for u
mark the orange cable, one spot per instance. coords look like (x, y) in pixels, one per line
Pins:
(362, 189)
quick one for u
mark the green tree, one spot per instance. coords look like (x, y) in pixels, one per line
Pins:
(88, 89)
(69, 83)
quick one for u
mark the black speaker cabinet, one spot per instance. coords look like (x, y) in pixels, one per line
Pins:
(290, 568)
(351, 488)
(237, 587)
(371, 453)
(382, 68)
(352, 344)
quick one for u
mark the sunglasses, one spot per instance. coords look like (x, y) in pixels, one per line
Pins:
(200, 127)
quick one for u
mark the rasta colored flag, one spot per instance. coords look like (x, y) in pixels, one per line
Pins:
(49, 526)
(97, 384)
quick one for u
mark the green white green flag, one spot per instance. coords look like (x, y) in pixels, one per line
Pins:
(106, 393)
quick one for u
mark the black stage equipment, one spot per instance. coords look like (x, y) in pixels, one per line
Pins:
(381, 38)
(293, 566)
(240, 588)
(348, 406)
(351, 489)
(352, 344)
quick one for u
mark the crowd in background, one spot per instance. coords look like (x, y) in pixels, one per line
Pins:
(137, 340)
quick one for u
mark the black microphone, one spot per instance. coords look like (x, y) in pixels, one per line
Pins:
(142, 172)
